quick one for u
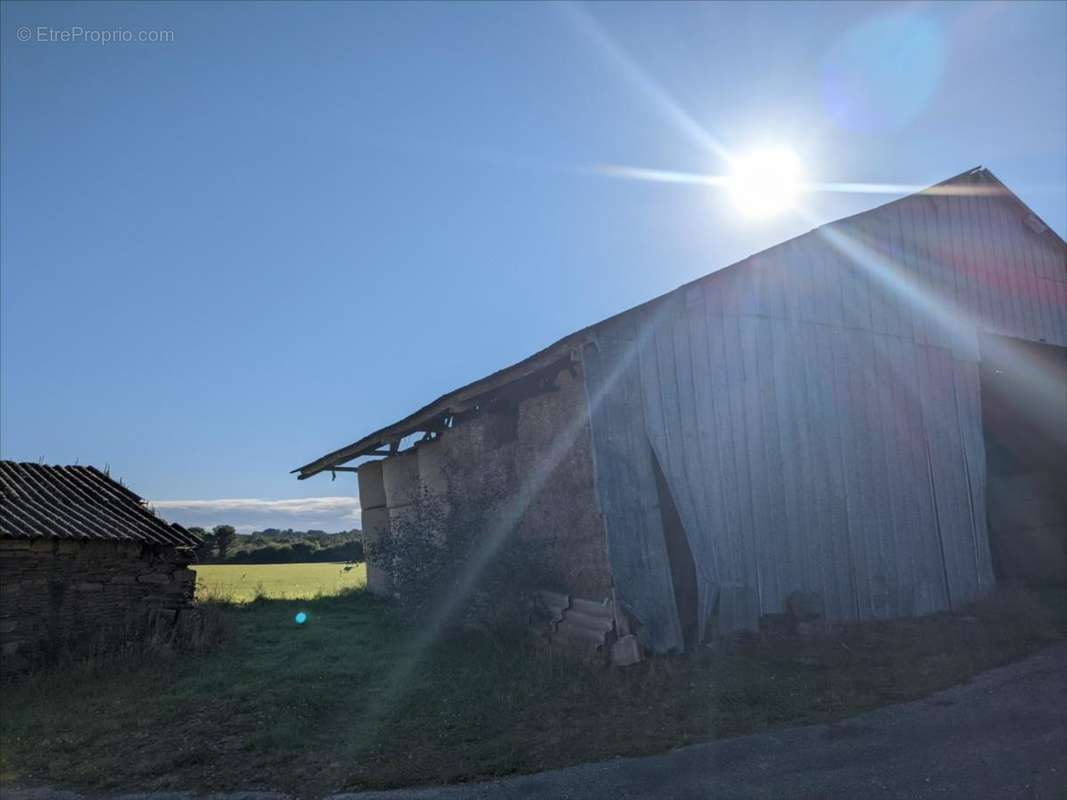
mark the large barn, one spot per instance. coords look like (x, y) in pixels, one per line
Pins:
(80, 554)
(871, 417)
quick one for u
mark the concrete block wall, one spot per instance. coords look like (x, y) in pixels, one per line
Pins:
(375, 521)
(55, 590)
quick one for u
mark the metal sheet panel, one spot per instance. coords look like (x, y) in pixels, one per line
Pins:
(626, 485)
(816, 409)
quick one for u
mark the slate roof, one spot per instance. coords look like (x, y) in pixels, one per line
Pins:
(39, 501)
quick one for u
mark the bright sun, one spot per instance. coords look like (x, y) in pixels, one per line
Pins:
(765, 182)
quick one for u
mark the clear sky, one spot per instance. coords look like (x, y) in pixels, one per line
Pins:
(226, 254)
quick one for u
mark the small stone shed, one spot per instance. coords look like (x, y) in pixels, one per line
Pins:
(80, 552)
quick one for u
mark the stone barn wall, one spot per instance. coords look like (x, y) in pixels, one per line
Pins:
(541, 450)
(55, 593)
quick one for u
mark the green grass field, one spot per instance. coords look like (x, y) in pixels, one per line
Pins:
(241, 583)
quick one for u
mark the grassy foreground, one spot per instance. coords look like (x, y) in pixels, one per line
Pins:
(240, 583)
(345, 700)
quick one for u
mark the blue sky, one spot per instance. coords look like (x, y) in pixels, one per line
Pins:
(228, 253)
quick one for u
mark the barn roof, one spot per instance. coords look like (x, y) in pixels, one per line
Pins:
(978, 180)
(39, 501)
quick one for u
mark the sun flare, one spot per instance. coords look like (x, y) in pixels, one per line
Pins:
(765, 182)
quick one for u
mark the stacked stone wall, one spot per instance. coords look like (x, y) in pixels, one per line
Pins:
(542, 465)
(55, 593)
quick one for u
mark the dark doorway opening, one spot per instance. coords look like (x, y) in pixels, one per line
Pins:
(1024, 422)
(683, 568)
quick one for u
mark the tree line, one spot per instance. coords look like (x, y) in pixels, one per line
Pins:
(223, 545)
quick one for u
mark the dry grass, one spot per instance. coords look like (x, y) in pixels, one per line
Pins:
(327, 705)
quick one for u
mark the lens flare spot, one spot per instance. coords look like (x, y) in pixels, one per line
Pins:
(883, 74)
(301, 617)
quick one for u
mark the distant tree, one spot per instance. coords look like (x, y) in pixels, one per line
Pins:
(224, 535)
(206, 548)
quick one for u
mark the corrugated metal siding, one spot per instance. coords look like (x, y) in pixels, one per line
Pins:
(816, 411)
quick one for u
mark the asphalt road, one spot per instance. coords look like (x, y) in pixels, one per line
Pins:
(1004, 735)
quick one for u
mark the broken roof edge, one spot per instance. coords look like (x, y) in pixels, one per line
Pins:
(542, 358)
(445, 404)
